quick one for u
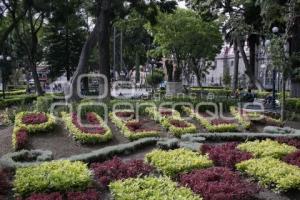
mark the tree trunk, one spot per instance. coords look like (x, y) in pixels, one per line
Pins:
(83, 60)
(36, 79)
(236, 66)
(249, 72)
(104, 46)
(137, 67)
(283, 100)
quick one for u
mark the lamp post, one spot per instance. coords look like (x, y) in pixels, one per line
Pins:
(275, 30)
(3, 60)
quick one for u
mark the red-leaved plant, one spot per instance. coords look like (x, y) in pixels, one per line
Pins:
(179, 123)
(22, 139)
(218, 184)
(220, 121)
(293, 158)
(289, 141)
(226, 155)
(92, 121)
(125, 114)
(137, 126)
(4, 183)
(116, 169)
(51, 196)
(90, 194)
(34, 118)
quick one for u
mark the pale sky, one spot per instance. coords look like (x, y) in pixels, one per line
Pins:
(181, 4)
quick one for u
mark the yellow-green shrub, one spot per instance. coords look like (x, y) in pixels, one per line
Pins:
(150, 188)
(271, 171)
(52, 176)
(267, 148)
(177, 161)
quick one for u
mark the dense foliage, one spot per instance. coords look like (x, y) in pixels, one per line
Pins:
(116, 169)
(150, 188)
(20, 139)
(34, 118)
(271, 171)
(267, 148)
(226, 155)
(218, 183)
(63, 176)
(177, 161)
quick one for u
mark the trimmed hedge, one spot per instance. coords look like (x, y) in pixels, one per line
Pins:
(35, 128)
(208, 124)
(16, 101)
(52, 176)
(150, 188)
(267, 148)
(270, 171)
(131, 135)
(177, 161)
(83, 137)
(43, 104)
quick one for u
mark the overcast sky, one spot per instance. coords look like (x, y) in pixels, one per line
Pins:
(181, 4)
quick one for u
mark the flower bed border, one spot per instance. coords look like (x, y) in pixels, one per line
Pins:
(166, 122)
(131, 135)
(87, 138)
(221, 128)
(35, 128)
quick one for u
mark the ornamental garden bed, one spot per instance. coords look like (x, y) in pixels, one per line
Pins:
(89, 130)
(133, 128)
(162, 175)
(248, 118)
(172, 121)
(27, 123)
(213, 124)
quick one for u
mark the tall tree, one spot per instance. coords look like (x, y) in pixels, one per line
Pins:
(183, 34)
(240, 17)
(63, 36)
(106, 13)
(28, 36)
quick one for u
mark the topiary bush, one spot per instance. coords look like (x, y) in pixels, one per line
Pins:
(150, 188)
(177, 161)
(272, 173)
(226, 155)
(51, 176)
(267, 148)
(116, 169)
(218, 183)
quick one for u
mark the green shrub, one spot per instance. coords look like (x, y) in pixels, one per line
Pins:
(52, 176)
(150, 188)
(293, 105)
(271, 171)
(246, 123)
(177, 161)
(43, 104)
(267, 148)
(17, 101)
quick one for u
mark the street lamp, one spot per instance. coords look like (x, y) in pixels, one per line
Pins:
(2, 62)
(275, 30)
